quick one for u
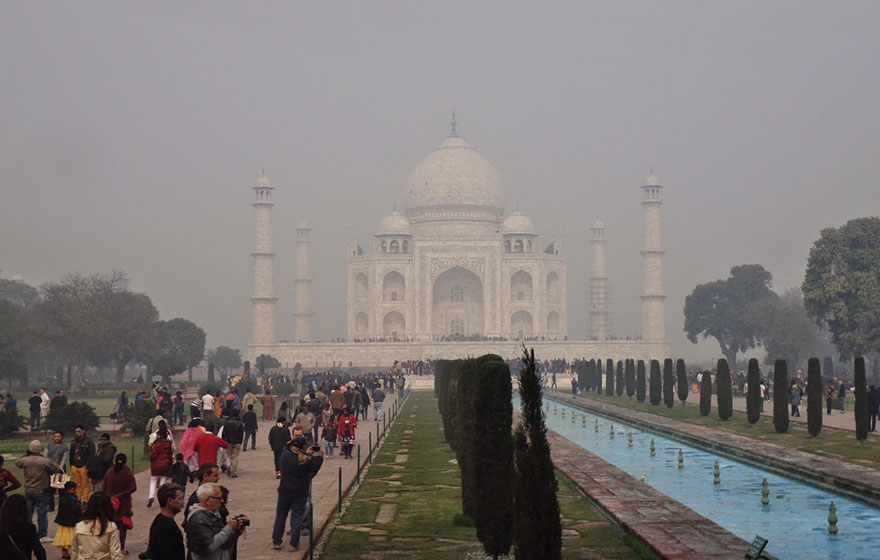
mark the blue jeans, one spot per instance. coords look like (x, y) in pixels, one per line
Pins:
(41, 503)
(377, 410)
(328, 447)
(252, 435)
(296, 508)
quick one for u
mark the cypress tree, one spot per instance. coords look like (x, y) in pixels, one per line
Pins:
(629, 377)
(861, 394)
(609, 377)
(724, 390)
(780, 397)
(493, 515)
(464, 427)
(442, 376)
(211, 377)
(814, 397)
(681, 379)
(640, 381)
(668, 383)
(537, 523)
(705, 393)
(655, 383)
(618, 381)
(598, 377)
(753, 400)
(591, 373)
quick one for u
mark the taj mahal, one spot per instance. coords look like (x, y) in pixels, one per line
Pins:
(453, 276)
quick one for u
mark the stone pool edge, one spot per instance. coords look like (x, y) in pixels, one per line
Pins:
(854, 481)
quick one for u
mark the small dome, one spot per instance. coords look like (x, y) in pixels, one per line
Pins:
(598, 224)
(394, 224)
(651, 181)
(517, 223)
(17, 278)
(263, 182)
(303, 224)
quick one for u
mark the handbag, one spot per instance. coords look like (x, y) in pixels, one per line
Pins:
(58, 480)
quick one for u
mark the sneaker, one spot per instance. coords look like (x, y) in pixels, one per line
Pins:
(277, 546)
(277, 474)
(47, 539)
(150, 503)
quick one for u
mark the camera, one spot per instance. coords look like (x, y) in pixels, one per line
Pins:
(315, 448)
(242, 520)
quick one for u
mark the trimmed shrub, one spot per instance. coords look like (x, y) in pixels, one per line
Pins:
(10, 422)
(668, 383)
(618, 379)
(629, 377)
(780, 397)
(681, 378)
(753, 399)
(640, 381)
(861, 405)
(76, 412)
(466, 433)
(211, 378)
(724, 390)
(609, 377)
(814, 397)
(705, 393)
(136, 416)
(655, 383)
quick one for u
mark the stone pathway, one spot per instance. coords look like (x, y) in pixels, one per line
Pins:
(254, 493)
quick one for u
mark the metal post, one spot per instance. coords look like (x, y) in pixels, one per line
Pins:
(370, 447)
(340, 488)
(359, 464)
(311, 532)
(133, 469)
(377, 433)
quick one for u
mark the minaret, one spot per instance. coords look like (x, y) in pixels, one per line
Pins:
(264, 300)
(653, 296)
(600, 318)
(302, 311)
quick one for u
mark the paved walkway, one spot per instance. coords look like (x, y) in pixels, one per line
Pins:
(254, 493)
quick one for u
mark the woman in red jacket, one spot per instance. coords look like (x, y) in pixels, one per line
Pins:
(161, 458)
(119, 485)
(347, 423)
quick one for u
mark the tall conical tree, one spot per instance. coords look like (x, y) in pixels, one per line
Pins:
(753, 399)
(780, 396)
(211, 377)
(681, 379)
(466, 433)
(705, 393)
(668, 383)
(618, 381)
(724, 390)
(609, 377)
(640, 381)
(814, 397)
(655, 383)
(537, 522)
(598, 377)
(861, 405)
(629, 377)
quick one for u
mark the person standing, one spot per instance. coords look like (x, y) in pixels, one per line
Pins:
(179, 472)
(233, 432)
(298, 465)
(329, 434)
(249, 420)
(337, 399)
(208, 536)
(18, 536)
(279, 435)
(8, 482)
(194, 431)
(208, 407)
(248, 399)
(209, 472)
(206, 447)
(841, 394)
(165, 540)
(306, 419)
(81, 449)
(378, 402)
(96, 536)
(57, 451)
(119, 483)
(873, 407)
(346, 432)
(102, 461)
(37, 470)
(795, 399)
(178, 418)
(34, 407)
(45, 401)
(69, 513)
(268, 406)
(829, 397)
(161, 457)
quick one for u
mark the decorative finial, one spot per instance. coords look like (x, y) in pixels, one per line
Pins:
(454, 133)
(263, 170)
(651, 169)
(394, 206)
(517, 206)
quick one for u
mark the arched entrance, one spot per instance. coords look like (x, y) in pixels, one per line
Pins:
(457, 304)
(393, 326)
(521, 325)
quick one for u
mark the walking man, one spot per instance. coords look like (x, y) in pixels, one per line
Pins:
(166, 540)
(233, 432)
(298, 465)
(378, 402)
(37, 470)
(250, 427)
(81, 449)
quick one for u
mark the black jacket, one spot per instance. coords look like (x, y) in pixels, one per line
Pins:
(207, 532)
(26, 539)
(278, 436)
(233, 431)
(249, 419)
(180, 473)
(166, 541)
(69, 510)
(295, 476)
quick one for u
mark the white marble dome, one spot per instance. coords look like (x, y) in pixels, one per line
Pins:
(263, 181)
(394, 224)
(517, 223)
(455, 174)
(651, 180)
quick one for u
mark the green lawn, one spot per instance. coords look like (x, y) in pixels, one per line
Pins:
(428, 499)
(831, 442)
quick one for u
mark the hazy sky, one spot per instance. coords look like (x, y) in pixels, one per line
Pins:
(131, 135)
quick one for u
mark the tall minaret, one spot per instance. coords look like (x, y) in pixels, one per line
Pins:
(600, 318)
(653, 296)
(264, 300)
(302, 311)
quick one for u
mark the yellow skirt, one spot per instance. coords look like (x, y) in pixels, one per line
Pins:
(64, 537)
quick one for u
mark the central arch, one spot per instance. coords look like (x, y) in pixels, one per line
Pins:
(393, 325)
(393, 287)
(521, 286)
(521, 325)
(457, 304)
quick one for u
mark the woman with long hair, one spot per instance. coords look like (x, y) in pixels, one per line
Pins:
(119, 485)
(96, 537)
(18, 536)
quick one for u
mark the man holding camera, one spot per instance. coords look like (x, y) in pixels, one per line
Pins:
(299, 464)
(207, 535)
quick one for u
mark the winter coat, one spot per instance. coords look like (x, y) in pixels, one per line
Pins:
(278, 436)
(87, 545)
(306, 420)
(329, 432)
(347, 430)
(180, 474)
(80, 451)
(37, 470)
(120, 485)
(208, 536)
(69, 510)
(206, 447)
(297, 471)
(161, 457)
(336, 398)
(233, 431)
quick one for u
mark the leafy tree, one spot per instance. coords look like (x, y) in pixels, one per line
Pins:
(265, 361)
(723, 309)
(814, 397)
(629, 377)
(225, 359)
(537, 522)
(753, 399)
(724, 390)
(640, 381)
(668, 383)
(780, 396)
(705, 393)
(842, 285)
(618, 381)
(609, 377)
(180, 345)
(14, 339)
(212, 379)
(66, 417)
(19, 294)
(655, 383)
(790, 333)
(682, 380)
(130, 323)
(860, 409)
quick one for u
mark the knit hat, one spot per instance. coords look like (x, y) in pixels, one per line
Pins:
(35, 446)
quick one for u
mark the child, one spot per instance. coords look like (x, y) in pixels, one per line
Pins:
(8, 482)
(180, 473)
(329, 435)
(69, 513)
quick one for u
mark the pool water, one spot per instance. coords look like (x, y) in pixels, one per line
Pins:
(795, 522)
